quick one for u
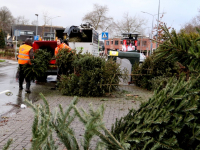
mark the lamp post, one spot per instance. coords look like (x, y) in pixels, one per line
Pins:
(51, 25)
(151, 29)
(37, 24)
(157, 24)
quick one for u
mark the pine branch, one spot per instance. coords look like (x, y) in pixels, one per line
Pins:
(7, 145)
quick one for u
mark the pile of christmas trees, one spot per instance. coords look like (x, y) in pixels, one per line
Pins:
(171, 118)
(87, 75)
(178, 53)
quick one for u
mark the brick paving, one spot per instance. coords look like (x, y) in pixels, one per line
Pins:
(18, 126)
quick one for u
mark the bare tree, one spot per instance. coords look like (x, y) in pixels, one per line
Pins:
(21, 20)
(192, 25)
(129, 24)
(6, 19)
(46, 20)
(34, 22)
(98, 18)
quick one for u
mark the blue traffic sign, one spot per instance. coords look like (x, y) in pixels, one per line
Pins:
(104, 36)
(36, 38)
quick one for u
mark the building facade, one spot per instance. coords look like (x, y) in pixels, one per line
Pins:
(143, 45)
(29, 31)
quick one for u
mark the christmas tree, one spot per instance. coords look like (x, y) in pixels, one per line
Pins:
(2, 39)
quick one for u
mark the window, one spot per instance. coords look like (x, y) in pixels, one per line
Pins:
(95, 37)
(49, 34)
(30, 33)
(121, 42)
(111, 42)
(144, 43)
(22, 33)
(116, 42)
(138, 44)
(107, 42)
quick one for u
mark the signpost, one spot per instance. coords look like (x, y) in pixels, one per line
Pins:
(16, 33)
(36, 38)
(104, 36)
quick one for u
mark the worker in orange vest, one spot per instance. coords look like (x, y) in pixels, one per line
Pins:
(25, 55)
(60, 45)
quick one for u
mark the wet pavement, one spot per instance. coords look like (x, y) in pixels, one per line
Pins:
(10, 95)
(17, 124)
(8, 85)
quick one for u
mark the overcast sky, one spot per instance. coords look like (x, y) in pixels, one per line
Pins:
(71, 12)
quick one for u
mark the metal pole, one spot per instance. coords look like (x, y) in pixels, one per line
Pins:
(16, 44)
(51, 29)
(157, 25)
(140, 43)
(51, 25)
(151, 50)
(37, 26)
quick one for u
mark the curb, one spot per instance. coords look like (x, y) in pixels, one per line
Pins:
(6, 62)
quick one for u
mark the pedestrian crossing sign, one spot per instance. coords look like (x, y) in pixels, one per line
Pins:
(104, 35)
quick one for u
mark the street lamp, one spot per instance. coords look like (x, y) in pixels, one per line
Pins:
(151, 29)
(157, 25)
(37, 24)
(51, 25)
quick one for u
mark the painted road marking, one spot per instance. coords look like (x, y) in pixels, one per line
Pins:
(5, 91)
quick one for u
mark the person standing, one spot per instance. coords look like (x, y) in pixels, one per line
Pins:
(25, 55)
(60, 45)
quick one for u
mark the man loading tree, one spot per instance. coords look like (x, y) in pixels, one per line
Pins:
(25, 55)
(60, 46)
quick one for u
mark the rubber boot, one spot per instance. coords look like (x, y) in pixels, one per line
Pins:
(28, 84)
(20, 85)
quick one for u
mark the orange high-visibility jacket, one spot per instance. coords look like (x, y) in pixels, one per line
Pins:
(61, 46)
(23, 57)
